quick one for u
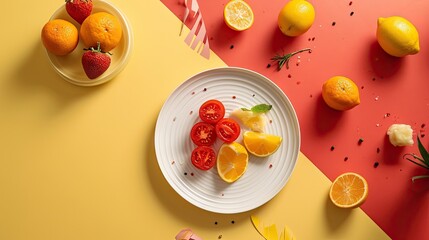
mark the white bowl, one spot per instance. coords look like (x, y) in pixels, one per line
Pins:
(70, 67)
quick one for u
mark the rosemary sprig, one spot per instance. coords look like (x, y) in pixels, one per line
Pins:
(284, 59)
(422, 161)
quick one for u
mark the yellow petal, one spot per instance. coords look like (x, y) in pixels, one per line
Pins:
(258, 225)
(270, 232)
(286, 234)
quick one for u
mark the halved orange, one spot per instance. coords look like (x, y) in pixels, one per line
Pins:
(238, 15)
(232, 161)
(261, 144)
(348, 190)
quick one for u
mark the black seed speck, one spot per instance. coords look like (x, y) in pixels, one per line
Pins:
(332, 148)
(351, 14)
(346, 158)
(333, 23)
(268, 65)
(376, 164)
(231, 47)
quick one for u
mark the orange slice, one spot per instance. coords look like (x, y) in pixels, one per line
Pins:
(232, 161)
(348, 190)
(261, 144)
(238, 15)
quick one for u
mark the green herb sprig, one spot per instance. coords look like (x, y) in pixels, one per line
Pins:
(284, 59)
(260, 108)
(422, 161)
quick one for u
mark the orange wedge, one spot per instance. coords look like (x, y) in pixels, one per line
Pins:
(238, 15)
(261, 144)
(348, 190)
(232, 161)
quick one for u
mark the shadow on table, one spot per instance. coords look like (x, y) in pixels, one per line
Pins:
(382, 63)
(34, 76)
(189, 215)
(336, 216)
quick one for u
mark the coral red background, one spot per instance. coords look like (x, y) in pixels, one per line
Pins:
(393, 90)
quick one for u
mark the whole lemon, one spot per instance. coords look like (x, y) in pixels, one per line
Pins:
(296, 17)
(397, 36)
(340, 93)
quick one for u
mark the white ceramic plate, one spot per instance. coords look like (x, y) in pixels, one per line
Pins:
(235, 88)
(70, 68)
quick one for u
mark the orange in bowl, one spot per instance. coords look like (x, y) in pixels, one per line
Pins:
(60, 37)
(101, 27)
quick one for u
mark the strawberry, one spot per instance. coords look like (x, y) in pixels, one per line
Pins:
(95, 62)
(79, 10)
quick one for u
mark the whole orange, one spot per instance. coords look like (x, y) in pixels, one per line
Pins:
(340, 93)
(101, 27)
(60, 37)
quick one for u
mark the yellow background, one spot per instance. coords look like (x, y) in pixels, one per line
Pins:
(79, 162)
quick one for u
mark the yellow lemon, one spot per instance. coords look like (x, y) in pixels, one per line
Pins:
(296, 17)
(348, 190)
(261, 144)
(232, 161)
(238, 15)
(397, 36)
(340, 93)
(255, 121)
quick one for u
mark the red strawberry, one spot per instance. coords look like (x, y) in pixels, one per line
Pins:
(95, 62)
(79, 9)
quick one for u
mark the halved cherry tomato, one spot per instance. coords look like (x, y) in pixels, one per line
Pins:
(212, 111)
(203, 134)
(227, 130)
(203, 157)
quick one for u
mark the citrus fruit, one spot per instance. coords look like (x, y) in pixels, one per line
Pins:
(348, 190)
(60, 37)
(232, 161)
(238, 15)
(397, 36)
(254, 121)
(101, 27)
(261, 144)
(340, 93)
(296, 17)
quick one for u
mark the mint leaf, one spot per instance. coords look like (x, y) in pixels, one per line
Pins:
(261, 108)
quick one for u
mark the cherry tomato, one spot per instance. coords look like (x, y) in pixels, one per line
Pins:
(203, 134)
(212, 111)
(227, 130)
(203, 157)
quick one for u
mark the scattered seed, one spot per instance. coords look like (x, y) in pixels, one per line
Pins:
(360, 141)
(271, 165)
(192, 174)
(215, 223)
(231, 47)
(376, 164)
(193, 93)
(333, 23)
(173, 162)
(423, 125)
(298, 82)
(205, 90)
(234, 97)
(232, 221)
(174, 119)
(190, 113)
(346, 158)
(351, 14)
(186, 173)
(313, 39)
(378, 150)
(362, 87)
(219, 237)
(268, 65)
(332, 148)
(289, 76)
(350, 3)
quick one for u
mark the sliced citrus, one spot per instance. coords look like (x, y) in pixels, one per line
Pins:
(254, 121)
(348, 190)
(232, 161)
(261, 144)
(238, 15)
